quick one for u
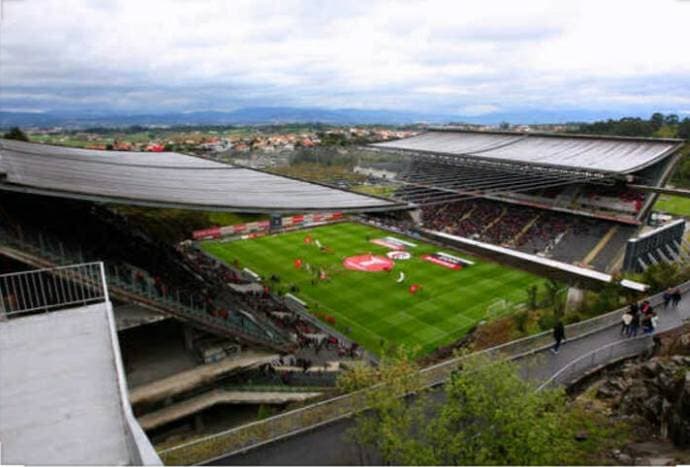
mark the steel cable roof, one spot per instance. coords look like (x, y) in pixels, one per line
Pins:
(166, 179)
(586, 153)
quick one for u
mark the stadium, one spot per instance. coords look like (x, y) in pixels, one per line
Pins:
(206, 332)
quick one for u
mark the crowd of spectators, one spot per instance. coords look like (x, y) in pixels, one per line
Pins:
(531, 230)
(157, 269)
(508, 227)
(265, 306)
(544, 232)
(478, 219)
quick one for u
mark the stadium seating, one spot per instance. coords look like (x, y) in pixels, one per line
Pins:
(146, 266)
(565, 237)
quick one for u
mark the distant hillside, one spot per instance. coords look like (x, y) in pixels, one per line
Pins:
(247, 116)
(278, 115)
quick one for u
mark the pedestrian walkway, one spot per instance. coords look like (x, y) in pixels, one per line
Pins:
(542, 365)
(323, 425)
(189, 380)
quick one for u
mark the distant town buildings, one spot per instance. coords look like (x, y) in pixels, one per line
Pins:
(236, 141)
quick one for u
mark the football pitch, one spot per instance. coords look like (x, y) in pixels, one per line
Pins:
(376, 308)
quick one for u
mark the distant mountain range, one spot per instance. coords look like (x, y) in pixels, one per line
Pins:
(281, 115)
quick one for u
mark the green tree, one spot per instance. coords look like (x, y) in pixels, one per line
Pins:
(16, 133)
(556, 300)
(608, 298)
(684, 128)
(494, 417)
(671, 119)
(491, 416)
(532, 297)
(657, 120)
(662, 275)
(389, 427)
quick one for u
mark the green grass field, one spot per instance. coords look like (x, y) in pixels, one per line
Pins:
(673, 205)
(372, 306)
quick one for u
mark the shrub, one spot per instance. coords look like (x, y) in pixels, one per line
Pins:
(532, 297)
(263, 412)
(571, 318)
(546, 322)
(521, 318)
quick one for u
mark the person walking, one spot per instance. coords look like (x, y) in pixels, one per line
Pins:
(558, 336)
(644, 308)
(634, 308)
(625, 326)
(668, 295)
(634, 325)
(653, 322)
(646, 323)
(675, 297)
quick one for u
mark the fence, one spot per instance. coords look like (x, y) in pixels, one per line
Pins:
(598, 358)
(307, 418)
(52, 288)
(130, 284)
(291, 302)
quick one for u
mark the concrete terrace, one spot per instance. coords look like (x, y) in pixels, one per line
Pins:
(60, 401)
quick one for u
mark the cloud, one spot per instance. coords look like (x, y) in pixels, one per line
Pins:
(478, 109)
(464, 58)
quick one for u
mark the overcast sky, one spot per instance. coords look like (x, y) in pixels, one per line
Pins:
(458, 57)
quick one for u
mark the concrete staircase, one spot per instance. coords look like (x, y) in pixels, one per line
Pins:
(42, 252)
(524, 230)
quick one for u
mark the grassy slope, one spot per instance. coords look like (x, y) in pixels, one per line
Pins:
(373, 305)
(673, 205)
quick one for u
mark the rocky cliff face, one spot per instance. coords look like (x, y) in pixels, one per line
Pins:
(658, 391)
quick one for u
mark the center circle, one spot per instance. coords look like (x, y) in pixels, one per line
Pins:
(369, 263)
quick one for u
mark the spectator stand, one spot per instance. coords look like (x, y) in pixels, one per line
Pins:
(298, 319)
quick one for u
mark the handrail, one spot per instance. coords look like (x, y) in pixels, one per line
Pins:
(150, 297)
(626, 348)
(287, 424)
(53, 288)
(265, 321)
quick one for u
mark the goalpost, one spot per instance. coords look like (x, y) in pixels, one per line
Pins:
(499, 307)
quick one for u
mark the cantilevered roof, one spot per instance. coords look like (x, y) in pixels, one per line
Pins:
(165, 179)
(589, 153)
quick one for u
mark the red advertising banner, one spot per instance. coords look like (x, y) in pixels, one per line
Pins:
(262, 226)
(442, 261)
(213, 232)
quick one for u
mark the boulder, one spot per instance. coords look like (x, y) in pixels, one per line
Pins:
(657, 390)
(679, 420)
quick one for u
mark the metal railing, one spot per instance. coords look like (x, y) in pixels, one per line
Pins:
(598, 358)
(287, 424)
(122, 280)
(287, 302)
(52, 288)
(265, 322)
(124, 286)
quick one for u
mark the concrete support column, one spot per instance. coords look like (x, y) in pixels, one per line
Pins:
(416, 215)
(198, 422)
(189, 334)
(575, 298)
(276, 222)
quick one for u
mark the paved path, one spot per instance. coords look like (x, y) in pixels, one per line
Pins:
(329, 445)
(543, 365)
(219, 396)
(203, 374)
